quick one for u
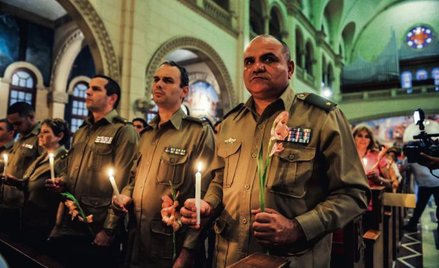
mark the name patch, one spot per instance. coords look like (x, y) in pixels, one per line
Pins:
(28, 146)
(103, 139)
(176, 151)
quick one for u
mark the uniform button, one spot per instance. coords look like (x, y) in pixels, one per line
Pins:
(244, 221)
(247, 186)
(254, 155)
(172, 160)
(291, 156)
(260, 126)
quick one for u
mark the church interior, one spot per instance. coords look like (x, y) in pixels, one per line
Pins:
(378, 60)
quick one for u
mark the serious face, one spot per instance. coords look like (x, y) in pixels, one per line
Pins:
(166, 89)
(5, 135)
(266, 69)
(47, 139)
(97, 99)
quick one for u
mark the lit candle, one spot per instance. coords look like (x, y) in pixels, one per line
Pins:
(52, 166)
(365, 164)
(113, 182)
(5, 161)
(198, 192)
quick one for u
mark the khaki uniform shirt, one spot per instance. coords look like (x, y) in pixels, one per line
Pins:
(167, 153)
(317, 179)
(98, 146)
(23, 153)
(41, 205)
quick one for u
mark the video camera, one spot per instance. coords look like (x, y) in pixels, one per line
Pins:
(424, 142)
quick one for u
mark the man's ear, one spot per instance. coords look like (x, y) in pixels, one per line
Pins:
(184, 92)
(290, 69)
(113, 99)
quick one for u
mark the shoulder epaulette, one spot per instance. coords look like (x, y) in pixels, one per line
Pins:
(235, 109)
(145, 129)
(318, 101)
(118, 119)
(194, 119)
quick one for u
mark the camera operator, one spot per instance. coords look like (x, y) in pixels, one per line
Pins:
(429, 161)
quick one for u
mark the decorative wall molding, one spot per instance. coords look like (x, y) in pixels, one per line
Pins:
(205, 51)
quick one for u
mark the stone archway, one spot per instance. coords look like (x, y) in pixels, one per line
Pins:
(95, 34)
(210, 57)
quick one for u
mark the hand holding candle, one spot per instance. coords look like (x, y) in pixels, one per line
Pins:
(198, 192)
(52, 167)
(113, 182)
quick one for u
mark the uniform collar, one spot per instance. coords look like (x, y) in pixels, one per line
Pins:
(284, 102)
(108, 118)
(34, 132)
(176, 120)
(7, 146)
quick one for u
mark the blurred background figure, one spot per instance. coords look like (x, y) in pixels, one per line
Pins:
(139, 124)
(7, 134)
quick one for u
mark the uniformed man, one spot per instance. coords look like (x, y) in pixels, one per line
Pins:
(7, 134)
(170, 148)
(25, 150)
(104, 141)
(315, 185)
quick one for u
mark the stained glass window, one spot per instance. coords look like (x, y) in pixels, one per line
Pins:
(419, 37)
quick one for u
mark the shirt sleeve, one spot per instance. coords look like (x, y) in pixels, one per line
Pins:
(124, 156)
(347, 184)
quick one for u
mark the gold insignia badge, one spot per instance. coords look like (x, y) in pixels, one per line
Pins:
(230, 140)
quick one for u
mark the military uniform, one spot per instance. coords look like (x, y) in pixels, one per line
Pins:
(166, 153)
(23, 153)
(98, 146)
(40, 205)
(317, 179)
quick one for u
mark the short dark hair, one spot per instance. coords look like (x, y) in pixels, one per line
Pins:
(184, 77)
(22, 108)
(9, 126)
(59, 126)
(285, 48)
(112, 87)
(141, 120)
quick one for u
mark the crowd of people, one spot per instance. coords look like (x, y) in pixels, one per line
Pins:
(278, 175)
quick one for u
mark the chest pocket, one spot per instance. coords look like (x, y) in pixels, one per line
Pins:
(102, 156)
(230, 153)
(290, 170)
(171, 167)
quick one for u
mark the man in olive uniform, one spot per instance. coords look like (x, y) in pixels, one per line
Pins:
(315, 185)
(104, 141)
(170, 148)
(7, 134)
(25, 150)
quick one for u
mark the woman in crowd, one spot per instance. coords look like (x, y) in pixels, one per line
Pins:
(374, 160)
(40, 208)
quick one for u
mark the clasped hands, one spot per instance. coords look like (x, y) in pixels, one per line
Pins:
(270, 228)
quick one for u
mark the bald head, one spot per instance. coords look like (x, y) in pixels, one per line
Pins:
(285, 48)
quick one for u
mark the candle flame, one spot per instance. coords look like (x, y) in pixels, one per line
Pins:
(110, 172)
(51, 155)
(364, 161)
(5, 157)
(199, 166)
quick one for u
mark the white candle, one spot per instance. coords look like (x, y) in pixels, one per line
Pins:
(198, 192)
(52, 166)
(364, 164)
(113, 182)
(5, 161)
